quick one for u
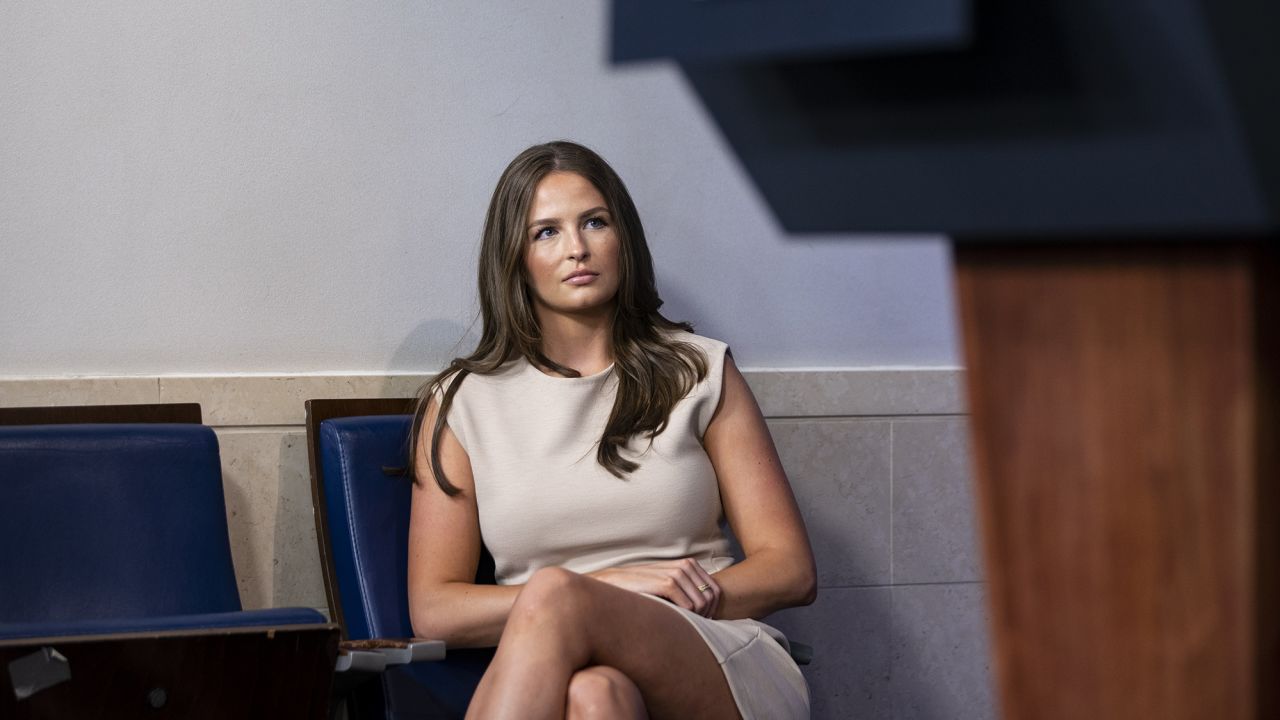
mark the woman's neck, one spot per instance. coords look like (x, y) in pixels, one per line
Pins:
(582, 343)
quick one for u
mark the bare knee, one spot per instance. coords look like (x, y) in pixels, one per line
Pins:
(603, 692)
(551, 593)
(549, 580)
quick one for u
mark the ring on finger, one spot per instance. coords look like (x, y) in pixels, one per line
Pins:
(704, 588)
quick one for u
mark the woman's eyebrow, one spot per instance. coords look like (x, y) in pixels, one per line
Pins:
(552, 221)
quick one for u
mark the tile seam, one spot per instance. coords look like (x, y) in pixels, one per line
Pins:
(869, 416)
(890, 586)
(239, 429)
(891, 501)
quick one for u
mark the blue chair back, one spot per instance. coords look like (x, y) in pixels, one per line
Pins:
(112, 521)
(360, 467)
(369, 521)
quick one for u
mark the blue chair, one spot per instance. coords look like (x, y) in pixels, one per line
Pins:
(361, 495)
(118, 527)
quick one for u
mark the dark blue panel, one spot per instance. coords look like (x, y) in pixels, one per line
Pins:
(770, 29)
(1066, 118)
(112, 521)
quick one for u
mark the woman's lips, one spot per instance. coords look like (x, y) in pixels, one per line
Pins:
(581, 278)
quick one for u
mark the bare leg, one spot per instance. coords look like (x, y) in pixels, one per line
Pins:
(563, 622)
(604, 693)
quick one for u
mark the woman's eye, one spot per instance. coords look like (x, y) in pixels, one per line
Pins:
(543, 233)
(596, 223)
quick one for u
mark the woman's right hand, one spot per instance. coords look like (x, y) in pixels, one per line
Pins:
(677, 581)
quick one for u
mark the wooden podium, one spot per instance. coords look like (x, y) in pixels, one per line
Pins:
(1124, 408)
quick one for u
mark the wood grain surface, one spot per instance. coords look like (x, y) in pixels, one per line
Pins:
(80, 414)
(1123, 401)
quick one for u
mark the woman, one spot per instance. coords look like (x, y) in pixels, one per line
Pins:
(595, 445)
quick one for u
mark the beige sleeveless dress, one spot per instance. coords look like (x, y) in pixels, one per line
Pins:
(544, 501)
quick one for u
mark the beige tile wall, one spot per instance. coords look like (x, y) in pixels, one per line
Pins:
(817, 418)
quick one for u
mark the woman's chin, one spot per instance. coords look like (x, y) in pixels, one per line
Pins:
(582, 307)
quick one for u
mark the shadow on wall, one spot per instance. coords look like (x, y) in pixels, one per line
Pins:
(851, 631)
(296, 578)
(893, 653)
(679, 307)
(245, 553)
(430, 347)
(897, 629)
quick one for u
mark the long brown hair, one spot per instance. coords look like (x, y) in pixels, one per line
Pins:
(654, 371)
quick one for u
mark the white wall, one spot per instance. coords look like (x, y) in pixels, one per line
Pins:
(298, 187)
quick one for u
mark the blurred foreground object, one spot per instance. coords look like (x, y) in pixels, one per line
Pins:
(987, 118)
(1124, 412)
(1110, 174)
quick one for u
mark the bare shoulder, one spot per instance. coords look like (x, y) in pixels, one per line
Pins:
(449, 453)
(737, 405)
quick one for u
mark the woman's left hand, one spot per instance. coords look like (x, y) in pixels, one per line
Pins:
(681, 582)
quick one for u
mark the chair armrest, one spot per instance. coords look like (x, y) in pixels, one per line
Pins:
(399, 651)
(359, 661)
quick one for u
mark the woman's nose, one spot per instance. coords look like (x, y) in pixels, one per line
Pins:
(578, 247)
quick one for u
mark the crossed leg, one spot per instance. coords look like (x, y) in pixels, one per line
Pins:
(573, 643)
(600, 692)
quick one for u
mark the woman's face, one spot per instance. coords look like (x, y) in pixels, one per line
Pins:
(571, 248)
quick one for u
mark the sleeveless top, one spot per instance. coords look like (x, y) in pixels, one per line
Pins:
(544, 500)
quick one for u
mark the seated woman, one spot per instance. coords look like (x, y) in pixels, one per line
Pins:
(596, 446)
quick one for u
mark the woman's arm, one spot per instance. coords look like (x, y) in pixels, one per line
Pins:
(778, 571)
(444, 552)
